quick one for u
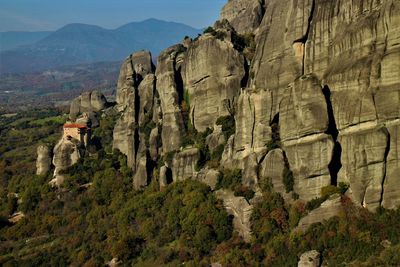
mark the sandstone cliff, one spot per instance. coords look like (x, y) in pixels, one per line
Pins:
(311, 89)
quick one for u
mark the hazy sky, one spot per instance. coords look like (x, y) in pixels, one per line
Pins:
(36, 15)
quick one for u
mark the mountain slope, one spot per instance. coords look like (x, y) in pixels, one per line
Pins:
(82, 43)
(14, 39)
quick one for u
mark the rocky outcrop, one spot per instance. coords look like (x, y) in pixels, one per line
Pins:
(212, 73)
(253, 123)
(140, 179)
(136, 98)
(271, 170)
(303, 120)
(250, 172)
(328, 209)
(66, 153)
(323, 81)
(364, 155)
(303, 110)
(209, 177)
(309, 158)
(390, 197)
(310, 259)
(244, 15)
(216, 138)
(43, 161)
(133, 71)
(170, 88)
(165, 176)
(241, 211)
(320, 98)
(146, 93)
(88, 102)
(125, 134)
(184, 164)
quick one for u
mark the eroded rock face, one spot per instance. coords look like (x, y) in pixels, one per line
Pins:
(184, 164)
(209, 177)
(136, 98)
(391, 185)
(169, 86)
(308, 46)
(310, 259)
(66, 153)
(240, 209)
(323, 86)
(250, 171)
(216, 138)
(125, 132)
(272, 168)
(364, 155)
(361, 69)
(253, 119)
(146, 91)
(244, 15)
(133, 70)
(328, 209)
(309, 158)
(303, 119)
(165, 176)
(43, 161)
(140, 180)
(212, 73)
(303, 110)
(87, 102)
(275, 63)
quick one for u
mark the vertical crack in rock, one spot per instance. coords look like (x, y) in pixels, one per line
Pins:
(178, 83)
(335, 164)
(304, 38)
(263, 9)
(136, 102)
(245, 79)
(276, 139)
(387, 150)
(253, 126)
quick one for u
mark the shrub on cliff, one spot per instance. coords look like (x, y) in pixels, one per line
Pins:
(228, 125)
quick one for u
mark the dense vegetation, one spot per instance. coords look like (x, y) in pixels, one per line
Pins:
(97, 216)
(78, 224)
(20, 135)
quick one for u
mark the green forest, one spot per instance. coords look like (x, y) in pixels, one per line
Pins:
(96, 215)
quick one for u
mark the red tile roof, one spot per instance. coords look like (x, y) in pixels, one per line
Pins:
(75, 125)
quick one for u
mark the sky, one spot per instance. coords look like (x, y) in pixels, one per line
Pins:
(44, 15)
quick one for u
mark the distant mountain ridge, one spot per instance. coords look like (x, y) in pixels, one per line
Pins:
(82, 43)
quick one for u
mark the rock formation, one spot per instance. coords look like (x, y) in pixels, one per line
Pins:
(212, 72)
(329, 90)
(133, 71)
(241, 211)
(272, 170)
(89, 102)
(319, 98)
(169, 87)
(244, 15)
(310, 259)
(66, 153)
(184, 164)
(43, 161)
(328, 209)
(135, 98)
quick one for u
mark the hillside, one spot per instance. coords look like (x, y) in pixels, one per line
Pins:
(24, 91)
(13, 39)
(80, 43)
